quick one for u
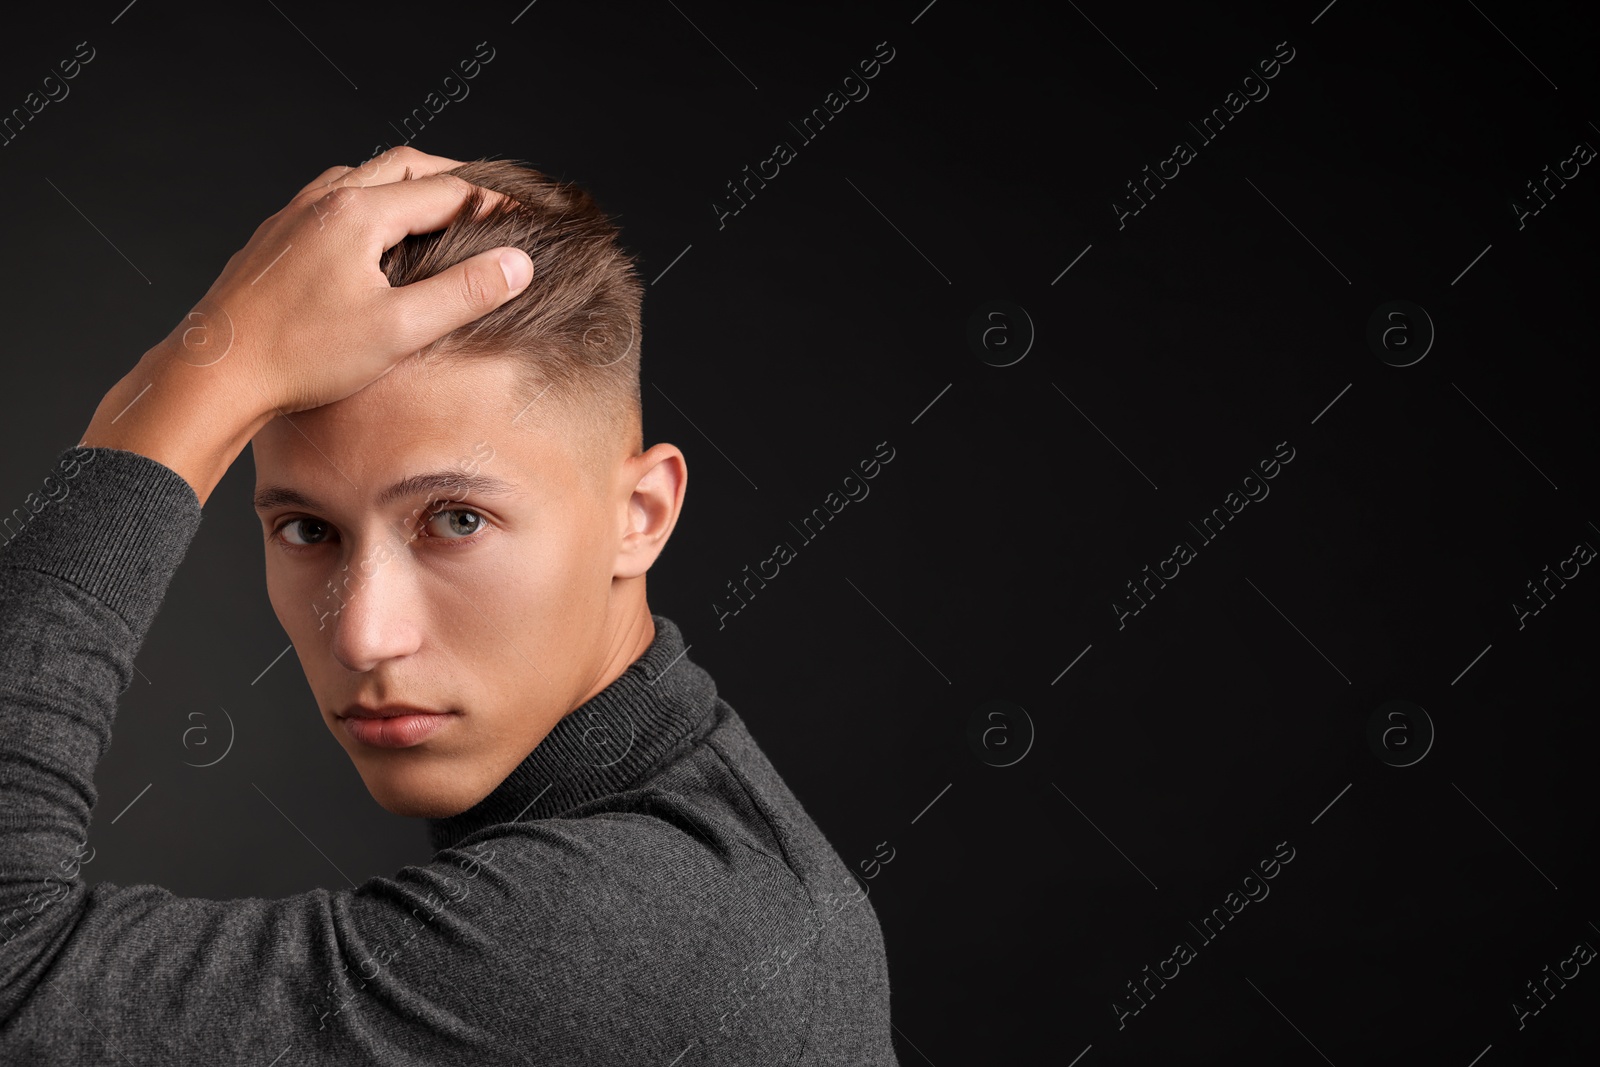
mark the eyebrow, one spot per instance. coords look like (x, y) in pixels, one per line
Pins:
(451, 483)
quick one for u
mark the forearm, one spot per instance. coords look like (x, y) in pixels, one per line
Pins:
(81, 580)
(191, 418)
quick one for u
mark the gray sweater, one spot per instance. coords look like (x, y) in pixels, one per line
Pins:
(671, 906)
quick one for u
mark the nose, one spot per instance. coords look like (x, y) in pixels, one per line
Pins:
(373, 609)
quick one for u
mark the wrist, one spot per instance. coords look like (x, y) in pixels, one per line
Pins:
(193, 419)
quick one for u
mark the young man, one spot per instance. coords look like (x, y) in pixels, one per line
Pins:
(456, 543)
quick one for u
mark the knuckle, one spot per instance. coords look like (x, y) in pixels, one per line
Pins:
(368, 170)
(332, 174)
(344, 196)
(337, 201)
(399, 156)
(478, 290)
(316, 186)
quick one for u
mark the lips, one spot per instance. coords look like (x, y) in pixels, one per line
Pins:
(387, 711)
(393, 725)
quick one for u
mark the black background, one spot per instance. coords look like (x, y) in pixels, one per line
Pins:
(833, 313)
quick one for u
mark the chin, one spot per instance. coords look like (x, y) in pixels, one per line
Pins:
(411, 807)
(425, 799)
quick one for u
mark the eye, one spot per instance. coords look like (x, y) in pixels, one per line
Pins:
(320, 531)
(460, 523)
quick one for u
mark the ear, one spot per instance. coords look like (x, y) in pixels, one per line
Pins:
(659, 477)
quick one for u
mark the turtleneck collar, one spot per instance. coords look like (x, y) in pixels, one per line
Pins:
(605, 745)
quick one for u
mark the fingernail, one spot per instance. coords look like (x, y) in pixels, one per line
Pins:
(517, 268)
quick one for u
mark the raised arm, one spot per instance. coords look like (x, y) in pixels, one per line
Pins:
(303, 316)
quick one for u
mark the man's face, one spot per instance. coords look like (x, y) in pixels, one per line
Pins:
(494, 604)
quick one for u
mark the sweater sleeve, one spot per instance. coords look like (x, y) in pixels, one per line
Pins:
(550, 941)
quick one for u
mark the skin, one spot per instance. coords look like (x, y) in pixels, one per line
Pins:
(299, 349)
(512, 609)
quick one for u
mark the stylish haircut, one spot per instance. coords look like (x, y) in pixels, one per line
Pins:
(575, 329)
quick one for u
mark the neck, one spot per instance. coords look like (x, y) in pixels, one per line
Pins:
(631, 632)
(609, 743)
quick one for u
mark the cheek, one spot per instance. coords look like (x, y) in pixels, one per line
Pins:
(542, 582)
(496, 595)
(279, 595)
(301, 597)
(285, 583)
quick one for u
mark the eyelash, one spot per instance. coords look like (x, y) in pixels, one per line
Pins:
(438, 508)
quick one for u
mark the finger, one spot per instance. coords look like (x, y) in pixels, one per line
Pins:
(426, 310)
(395, 165)
(422, 206)
(390, 166)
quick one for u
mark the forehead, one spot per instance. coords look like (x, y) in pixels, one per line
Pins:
(423, 417)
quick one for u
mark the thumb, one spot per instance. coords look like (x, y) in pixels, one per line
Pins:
(435, 306)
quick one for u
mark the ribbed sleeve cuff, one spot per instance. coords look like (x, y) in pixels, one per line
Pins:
(114, 523)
